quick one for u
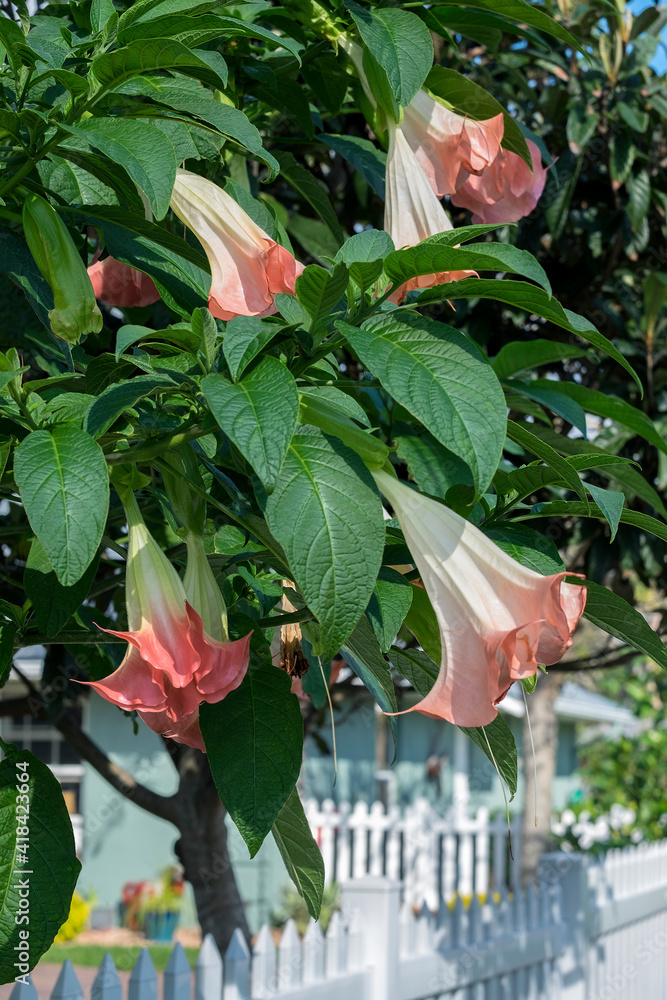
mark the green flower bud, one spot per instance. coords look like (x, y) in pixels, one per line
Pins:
(75, 312)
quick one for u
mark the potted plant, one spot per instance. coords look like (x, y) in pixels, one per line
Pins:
(160, 911)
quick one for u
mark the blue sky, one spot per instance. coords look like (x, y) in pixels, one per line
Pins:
(659, 62)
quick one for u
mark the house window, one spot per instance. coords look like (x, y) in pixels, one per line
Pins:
(47, 744)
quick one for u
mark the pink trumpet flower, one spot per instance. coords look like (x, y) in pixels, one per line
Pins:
(506, 191)
(449, 147)
(412, 211)
(498, 620)
(248, 268)
(178, 653)
(120, 285)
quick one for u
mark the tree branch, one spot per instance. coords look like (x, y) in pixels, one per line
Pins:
(165, 807)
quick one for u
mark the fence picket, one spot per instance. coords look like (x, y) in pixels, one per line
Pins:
(67, 985)
(289, 958)
(313, 954)
(143, 979)
(263, 965)
(237, 968)
(336, 941)
(177, 984)
(106, 984)
(24, 991)
(208, 971)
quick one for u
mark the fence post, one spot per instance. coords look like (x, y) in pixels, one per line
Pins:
(376, 900)
(569, 872)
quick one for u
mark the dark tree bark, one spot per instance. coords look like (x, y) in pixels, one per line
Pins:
(537, 839)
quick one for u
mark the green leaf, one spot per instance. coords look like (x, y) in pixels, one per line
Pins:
(415, 666)
(245, 337)
(527, 546)
(363, 155)
(548, 393)
(50, 863)
(259, 414)
(440, 377)
(519, 433)
(610, 503)
(312, 190)
(575, 508)
(7, 636)
(519, 356)
(432, 466)
(300, 853)
(341, 400)
(52, 603)
(400, 43)
(430, 257)
(118, 398)
(62, 478)
(522, 13)
(470, 100)
(326, 513)
(100, 12)
(141, 148)
(361, 651)
(639, 187)
(254, 741)
(422, 621)
(18, 264)
(606, 405)
(389, 605)
(497, 742)
(112, 68)
(533, 300)
(319, 291)
(618, 618)
(129, 334)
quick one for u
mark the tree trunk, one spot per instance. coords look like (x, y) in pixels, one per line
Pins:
(203, 851)
(537, 839)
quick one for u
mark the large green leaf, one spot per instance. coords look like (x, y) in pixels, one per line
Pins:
(422, 621)
(399, 42)
(362, 652)
(52, 603)
(439, 375)
(606, 405)
(519, 356)
(431, 257)
(326, 513)
(469, 99)
(301, 855)
(390, 603)
(522, 13)
(259, 414)
(575, 508)
(254, 742)
(63, 482)
(112, 68)
(521, 435)
(141, 148)
(614, 615)
(18, 264)
(8, 632)
(245, 337)
(319, 291)
(118, 398)
(312, 190)
(416, 666)
(611, 504)
(37, 874)
(533, 300)
(364, 156)
(527, 546)
(432, 466)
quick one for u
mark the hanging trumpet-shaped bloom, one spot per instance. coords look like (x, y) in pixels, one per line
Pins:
(498, 620)
(248, 268)
(506, 191)
(178, 655)
(120, 285)
(412, 210)
(449, 147)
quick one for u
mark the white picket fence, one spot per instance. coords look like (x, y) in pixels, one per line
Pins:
(435, 856)
(589, 931)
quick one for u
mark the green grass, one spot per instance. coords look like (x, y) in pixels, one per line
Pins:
(124, 957)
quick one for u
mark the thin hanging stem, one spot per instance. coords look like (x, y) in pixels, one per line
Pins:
(502, 785)
(532, 746)
(333, 724)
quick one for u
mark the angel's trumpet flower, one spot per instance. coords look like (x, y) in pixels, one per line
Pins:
(178, 655)
(506, 191)
(412, 211)
(120, 285)
(449, 147)
(498, 620)
(248, 268)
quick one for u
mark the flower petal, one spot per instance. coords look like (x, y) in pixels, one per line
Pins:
(120, 285)
(506, 191)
